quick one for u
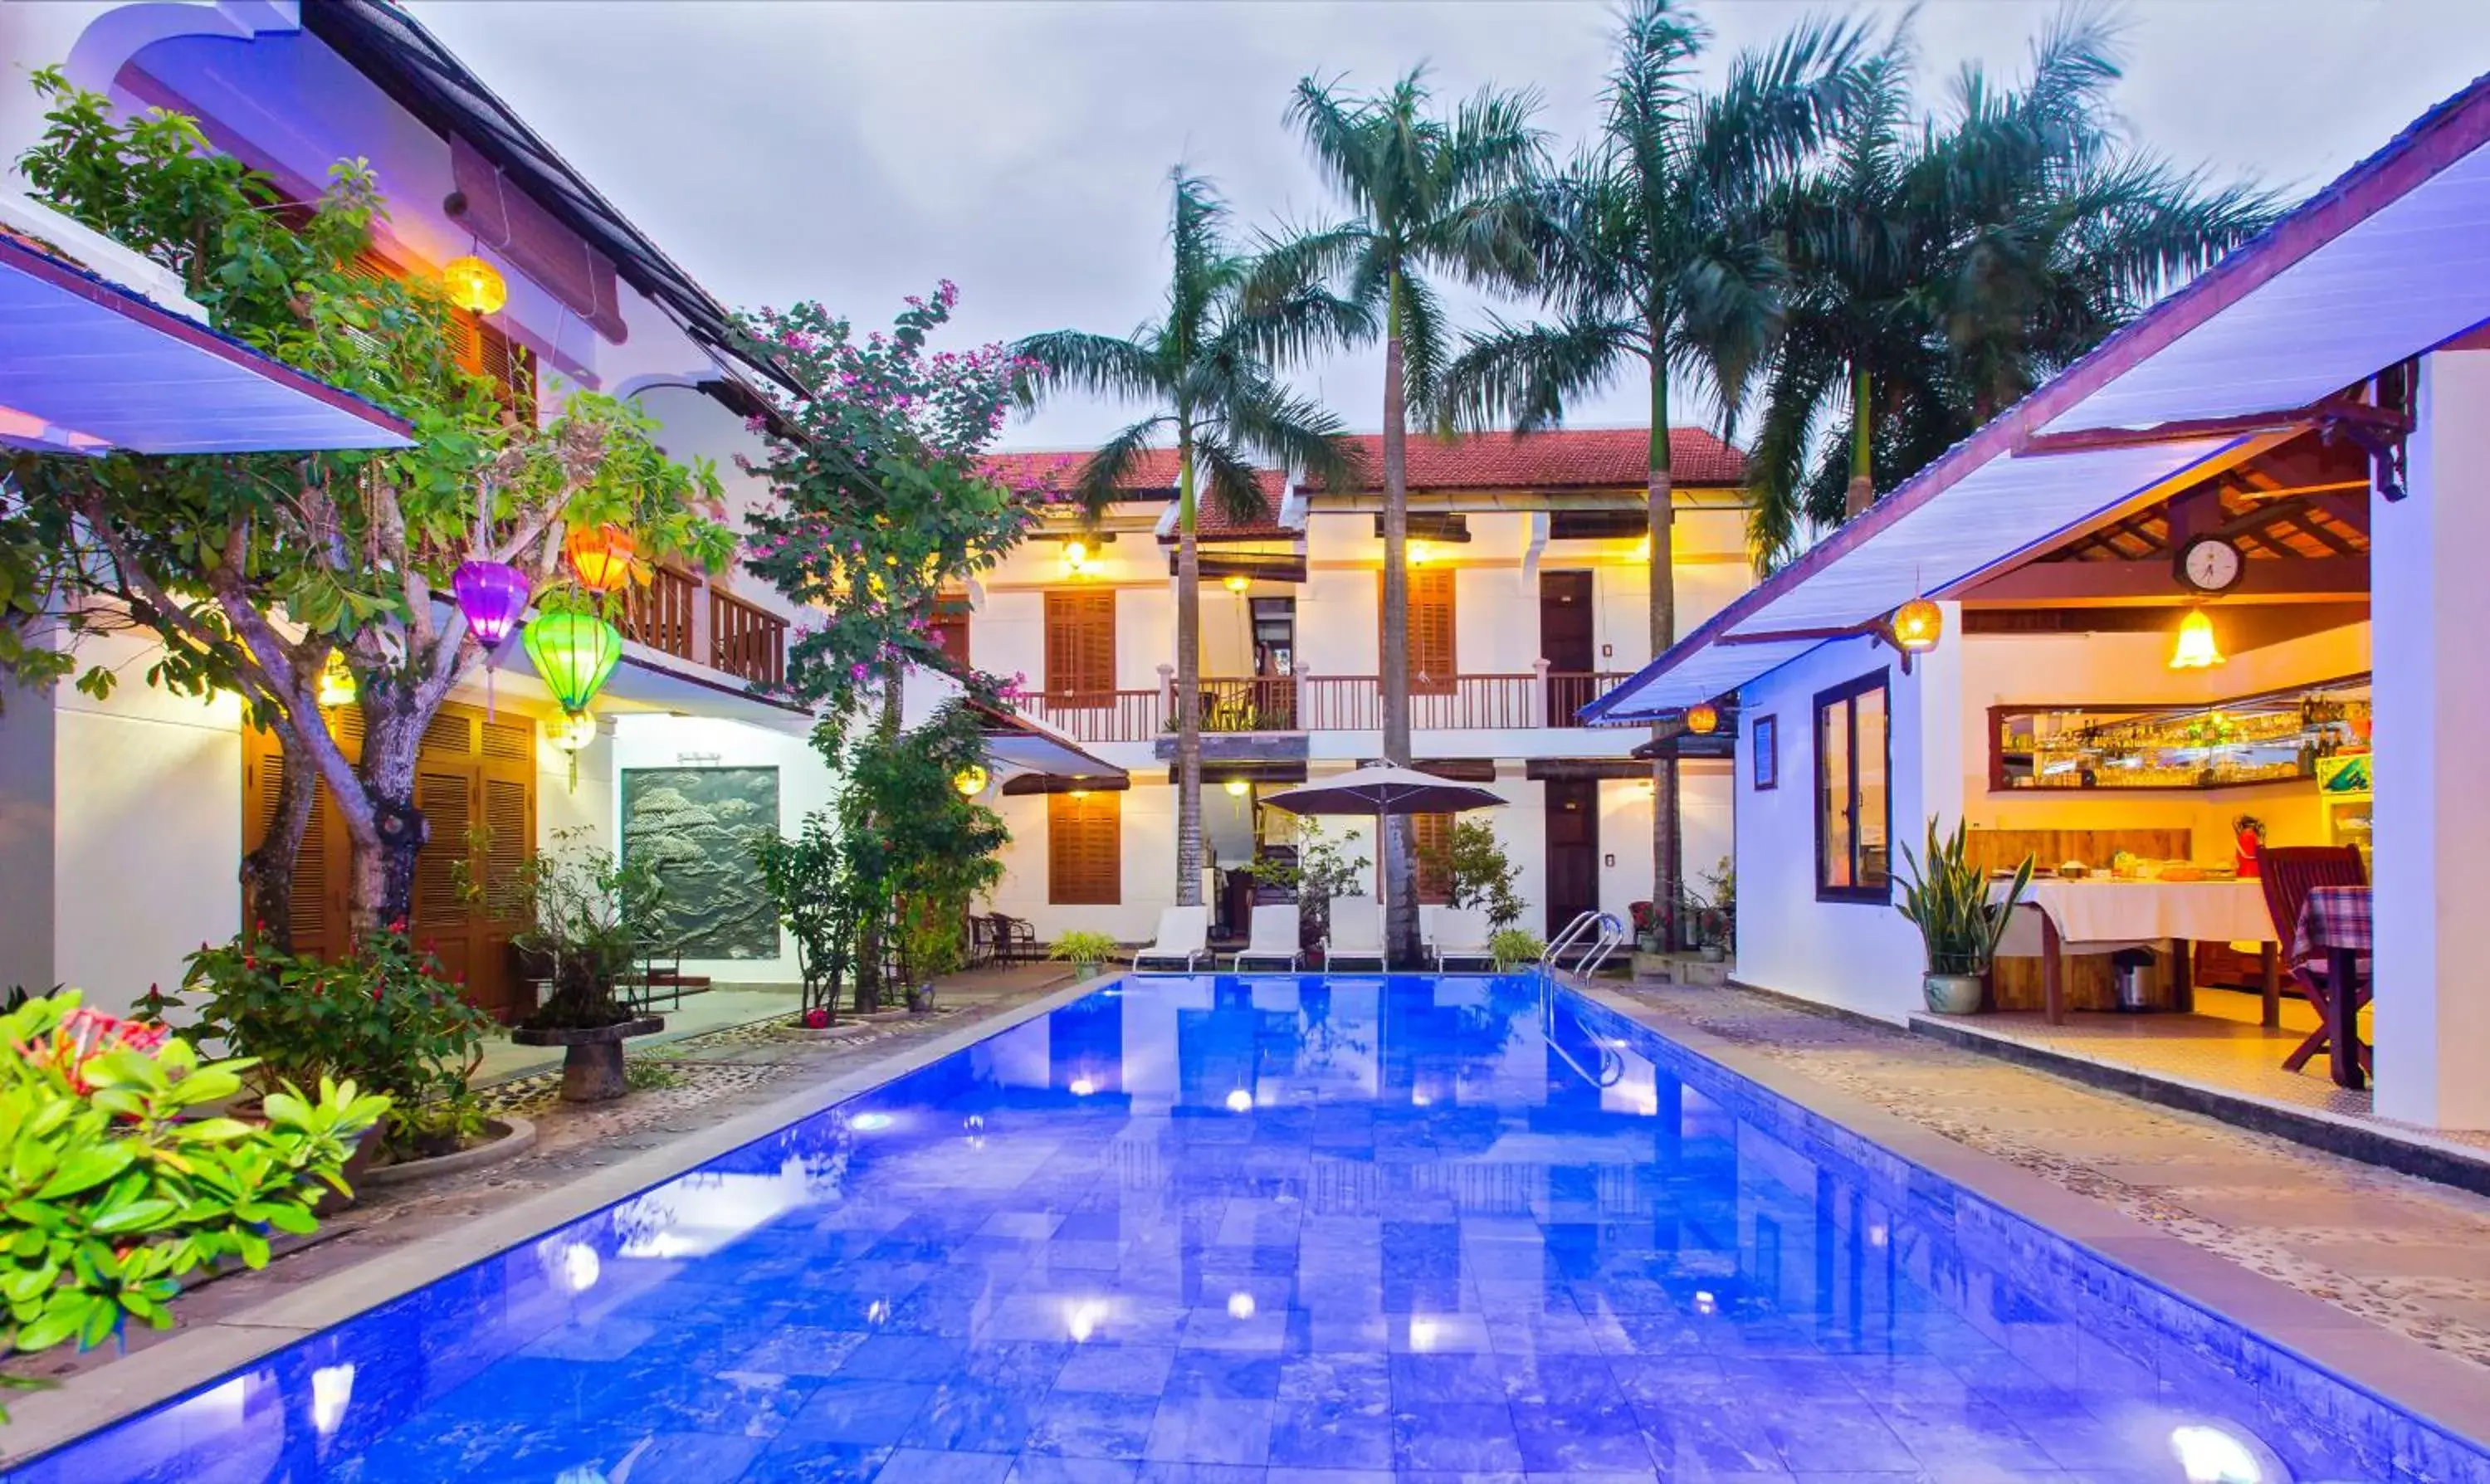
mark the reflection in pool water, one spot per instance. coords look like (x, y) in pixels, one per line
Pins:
(1428, 1227)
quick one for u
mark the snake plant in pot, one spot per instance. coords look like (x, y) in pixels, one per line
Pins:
(1948, 900)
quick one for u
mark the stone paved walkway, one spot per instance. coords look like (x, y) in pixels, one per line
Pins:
(708, 1079)
(2408, 1254)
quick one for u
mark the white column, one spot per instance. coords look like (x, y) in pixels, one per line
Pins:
(2429, 608)
(27, 830)
(1935, 786)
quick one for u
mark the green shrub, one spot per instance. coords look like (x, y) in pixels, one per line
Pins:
(1515, 947)
(1085, 950)
(116, 1187)
(1476, 871)
(386, 1019)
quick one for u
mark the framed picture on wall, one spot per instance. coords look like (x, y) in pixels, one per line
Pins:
(1766, 744)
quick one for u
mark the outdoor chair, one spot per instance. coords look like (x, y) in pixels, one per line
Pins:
(1015, 941)
(1357, 935)
(2289, 873)
(1271, 939)
(1458, 936)
(1183, 943)
(981, 942)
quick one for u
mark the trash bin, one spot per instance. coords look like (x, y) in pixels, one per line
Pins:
(2137, 975)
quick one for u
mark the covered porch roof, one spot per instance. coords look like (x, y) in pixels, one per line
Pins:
(2389, 261)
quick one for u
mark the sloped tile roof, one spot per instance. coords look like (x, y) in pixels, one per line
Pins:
(1564, 458)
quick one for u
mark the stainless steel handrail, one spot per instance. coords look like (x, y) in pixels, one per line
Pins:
(1609, 931)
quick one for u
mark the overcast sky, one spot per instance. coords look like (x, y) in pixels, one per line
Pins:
(855, 153)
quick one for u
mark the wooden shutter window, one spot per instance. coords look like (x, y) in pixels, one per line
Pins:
(1432, 662)
(1433, 836)
(1080, 647)
(1084, 855)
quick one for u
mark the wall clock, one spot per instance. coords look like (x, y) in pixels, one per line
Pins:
(2210, 564)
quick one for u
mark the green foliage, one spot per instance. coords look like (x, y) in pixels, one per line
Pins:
(1513, 947)
(810, 882)
(1948, 900)
(1712, 913)
(589, 914)
(641, 1075)
(118, 1184)
(1472, 860)
(1085, 950)
(386, 1019)
(1323, 869)
(878, 497)
(917, 850)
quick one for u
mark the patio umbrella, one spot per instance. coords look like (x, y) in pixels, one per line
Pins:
(1379, 789)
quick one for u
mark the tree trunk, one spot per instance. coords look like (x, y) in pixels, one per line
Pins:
(1398, 854)
(1667, 867)
(392, 832)
(1862, 442)
(1188, 686)
(872, 934)
(268, 871)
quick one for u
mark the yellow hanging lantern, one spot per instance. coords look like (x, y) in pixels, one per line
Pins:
(336, 682)
(971, 781)
(2195, 649)
(1917, 627)
(605, 557)
(1703, 718)
(475, 286)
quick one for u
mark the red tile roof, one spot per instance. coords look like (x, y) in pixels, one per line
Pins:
(1152, 476)
(1565, 458)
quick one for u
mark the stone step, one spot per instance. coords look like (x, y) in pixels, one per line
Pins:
(1682, 969)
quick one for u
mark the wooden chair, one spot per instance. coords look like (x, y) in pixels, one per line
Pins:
(2288, 873)
(1015, 939)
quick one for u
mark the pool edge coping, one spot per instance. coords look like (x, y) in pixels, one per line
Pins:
(45, 1421)
(2433, 1387)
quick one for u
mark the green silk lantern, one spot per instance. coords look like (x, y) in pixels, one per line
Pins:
(574, 652)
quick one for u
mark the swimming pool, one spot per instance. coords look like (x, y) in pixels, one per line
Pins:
(1288, 1231)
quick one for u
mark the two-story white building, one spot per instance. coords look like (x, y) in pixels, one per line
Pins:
(1529, 597)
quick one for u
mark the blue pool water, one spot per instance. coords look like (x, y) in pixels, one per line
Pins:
(1288, 1231)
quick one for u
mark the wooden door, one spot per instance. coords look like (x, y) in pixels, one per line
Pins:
(1572, 850)
(1566, 643)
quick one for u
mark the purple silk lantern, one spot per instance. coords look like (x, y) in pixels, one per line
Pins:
(494, 597)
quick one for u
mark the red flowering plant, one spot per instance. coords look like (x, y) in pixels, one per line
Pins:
(116, 1184)
(386, 1016)
(879, 495)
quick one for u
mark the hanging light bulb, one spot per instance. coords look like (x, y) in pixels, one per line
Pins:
(1419, 552)
(971, 781)
(1076, 556)
(336, 682)
(2195, 649)
(574, 652)
(1238, 788)
(1917, 627)
(573, 732)
(605, 557)
(1236, 582)
(1703, 718)
(475, 286)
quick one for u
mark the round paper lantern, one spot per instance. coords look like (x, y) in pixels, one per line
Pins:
(494, 597)
(1703, 718)
(970, 781)
(573, 732)
(574, 652)
(605, 557)
(336, 682)
(1917, 627)
(474, 284)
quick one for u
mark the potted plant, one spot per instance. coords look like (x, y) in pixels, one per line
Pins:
(384, 1017)
(1947, 898)
(588, 912)
(1513, 947)
(117, 1184)
(1083, 951)
(1318, 869)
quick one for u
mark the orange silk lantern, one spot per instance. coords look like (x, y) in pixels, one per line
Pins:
(605, 557)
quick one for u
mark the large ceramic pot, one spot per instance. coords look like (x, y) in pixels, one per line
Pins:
(1952, 994)
(592, 1065)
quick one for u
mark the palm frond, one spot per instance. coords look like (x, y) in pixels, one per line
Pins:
(1098, 365)
(1106, 472)
(1522, 375)
(1229, 478)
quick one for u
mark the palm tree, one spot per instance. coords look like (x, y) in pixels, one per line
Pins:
(1944, 267)
(1654, 254)
(1431, 195)
(1206, 367)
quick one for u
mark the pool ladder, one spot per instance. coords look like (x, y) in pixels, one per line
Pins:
(1603, 932)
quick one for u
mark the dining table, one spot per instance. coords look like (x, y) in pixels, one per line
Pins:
(2060, 915)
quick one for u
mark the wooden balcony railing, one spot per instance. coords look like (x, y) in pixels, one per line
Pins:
(746, 641)
(1322, 703)
(742, 639)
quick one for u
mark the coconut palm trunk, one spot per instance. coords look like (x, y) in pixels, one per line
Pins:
(1668, 881)
(1400, 853)
(1188, 684)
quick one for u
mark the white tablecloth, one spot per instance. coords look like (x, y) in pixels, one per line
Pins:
(2094, 915)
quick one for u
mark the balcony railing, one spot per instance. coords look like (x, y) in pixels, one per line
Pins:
(1323, 703)
(741, 639)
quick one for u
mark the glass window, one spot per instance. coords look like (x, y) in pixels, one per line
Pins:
(1853, 799)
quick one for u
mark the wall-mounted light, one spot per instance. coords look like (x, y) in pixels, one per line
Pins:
(1077, 795)
(2195, 649)
(1642, 549)
(1917, 627)
(1420, 553)
(1076, 557)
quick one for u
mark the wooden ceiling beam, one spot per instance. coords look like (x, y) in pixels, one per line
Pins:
(2299, 579)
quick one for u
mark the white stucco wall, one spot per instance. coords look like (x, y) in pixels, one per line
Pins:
(805, 783)
(28, 765)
